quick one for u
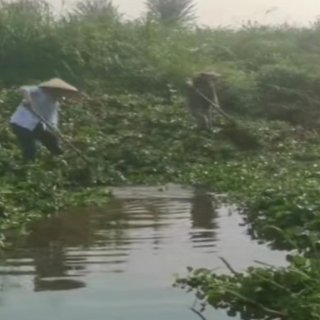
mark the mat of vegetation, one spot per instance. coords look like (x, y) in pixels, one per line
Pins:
(134, 129)
(126, 139)
(278, 191)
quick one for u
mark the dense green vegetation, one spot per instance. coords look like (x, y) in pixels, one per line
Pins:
(134, 128)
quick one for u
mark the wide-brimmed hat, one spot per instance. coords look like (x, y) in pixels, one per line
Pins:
(57, 83)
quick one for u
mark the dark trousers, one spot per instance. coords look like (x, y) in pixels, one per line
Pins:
(28, 141)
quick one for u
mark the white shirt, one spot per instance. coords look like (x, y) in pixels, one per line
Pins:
(42, 104)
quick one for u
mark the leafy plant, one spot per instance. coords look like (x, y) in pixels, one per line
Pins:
(262, 292)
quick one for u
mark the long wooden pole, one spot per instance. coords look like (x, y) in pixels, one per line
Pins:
(216, 105)
(56, 131)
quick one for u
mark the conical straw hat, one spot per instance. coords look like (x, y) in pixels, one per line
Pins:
(58, 84)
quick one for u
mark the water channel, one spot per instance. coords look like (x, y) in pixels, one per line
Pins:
(118, 262)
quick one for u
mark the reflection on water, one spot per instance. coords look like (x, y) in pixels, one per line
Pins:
(59, 284)
(121, 258)
(203, 216)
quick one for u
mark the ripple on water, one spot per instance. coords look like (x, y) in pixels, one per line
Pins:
(121, 258)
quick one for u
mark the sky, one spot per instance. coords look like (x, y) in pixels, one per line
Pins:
(234, 12)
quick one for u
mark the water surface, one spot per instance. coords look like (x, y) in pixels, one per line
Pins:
(118, 262)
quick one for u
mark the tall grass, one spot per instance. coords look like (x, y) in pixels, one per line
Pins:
(269, 71)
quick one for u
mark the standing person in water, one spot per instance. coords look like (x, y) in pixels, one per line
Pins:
(39, 107)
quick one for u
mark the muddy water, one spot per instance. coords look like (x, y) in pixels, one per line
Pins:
(118, 262)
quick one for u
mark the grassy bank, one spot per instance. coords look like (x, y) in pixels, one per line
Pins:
(135, 130)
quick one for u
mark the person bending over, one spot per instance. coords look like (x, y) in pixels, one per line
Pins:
(37, 114)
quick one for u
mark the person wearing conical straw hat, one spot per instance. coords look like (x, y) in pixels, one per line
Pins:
(37, 114)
